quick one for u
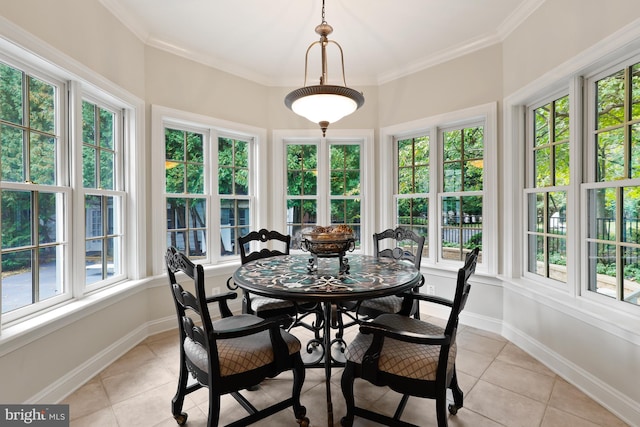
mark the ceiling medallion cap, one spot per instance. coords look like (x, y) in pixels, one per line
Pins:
(324, 29)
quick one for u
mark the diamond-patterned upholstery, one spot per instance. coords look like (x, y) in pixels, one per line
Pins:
(260, 304)
(401, 358)
(389, 304)
(237, 355)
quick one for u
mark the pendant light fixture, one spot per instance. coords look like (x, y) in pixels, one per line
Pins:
(324, 103)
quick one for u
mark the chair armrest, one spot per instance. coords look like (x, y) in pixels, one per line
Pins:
(280, 349)
(249, 330)
(406, 336)
(428, 298)
(221, 299)
(231, 285)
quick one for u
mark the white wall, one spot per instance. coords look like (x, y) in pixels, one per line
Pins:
(51, 360)
(556, 32)
(471, 80)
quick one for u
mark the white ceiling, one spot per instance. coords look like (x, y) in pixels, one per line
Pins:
(265, 40)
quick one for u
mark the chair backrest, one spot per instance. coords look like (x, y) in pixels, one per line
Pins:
(194, 320)
(462, 290)
(263, 236)
(400, 235)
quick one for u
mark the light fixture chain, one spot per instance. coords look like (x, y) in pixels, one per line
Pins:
(323, 20)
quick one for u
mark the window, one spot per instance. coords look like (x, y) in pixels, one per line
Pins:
(546, 195)
(315, 169)
(412, 200)
(613, 192)
(208, 183)
(58, 162)
(34, 191)
(302, 189)
(345, 185)
(440, 179)
(101, 162)
(233, 189)
(462, 191)
(186, 205)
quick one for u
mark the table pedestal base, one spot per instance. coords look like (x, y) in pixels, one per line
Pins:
(327, 352)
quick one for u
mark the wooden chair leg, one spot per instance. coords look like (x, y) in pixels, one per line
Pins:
(347, 391)
(214, 409)
(178, 399)
(298, 380)
(441, 409)
(458, 395)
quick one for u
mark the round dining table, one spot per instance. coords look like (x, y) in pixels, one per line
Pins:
(290, 277)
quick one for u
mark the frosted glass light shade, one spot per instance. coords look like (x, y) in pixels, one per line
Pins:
(324, 103)
(326, 107)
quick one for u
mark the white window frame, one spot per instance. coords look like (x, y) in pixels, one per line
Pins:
(363, 137)
(118, 192)
(61, 187)
(590, 182)
(212, 128)
(41, 61)
(486, 115)
(573, 90)
(438, 193)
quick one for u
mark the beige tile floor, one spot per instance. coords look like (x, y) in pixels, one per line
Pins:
(503, 386)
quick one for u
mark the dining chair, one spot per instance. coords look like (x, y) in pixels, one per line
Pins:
(267, 307)
(411, 356)
(267, 243)
(401, 244)
(231, 353)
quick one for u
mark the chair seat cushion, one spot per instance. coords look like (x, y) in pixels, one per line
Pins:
(388, 304)
(238, 355)
(416, 361)
(260, 303)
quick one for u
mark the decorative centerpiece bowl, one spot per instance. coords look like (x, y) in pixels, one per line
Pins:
(328, 242)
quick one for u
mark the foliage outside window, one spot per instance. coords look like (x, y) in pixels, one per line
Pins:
(547, 195)
(337, 172)
(412, 199)
(34, 198)
(302, 189)
(345, 186)
(461, 199)
(613, 237)
(233, 188)
(103, 204)
(184, 185)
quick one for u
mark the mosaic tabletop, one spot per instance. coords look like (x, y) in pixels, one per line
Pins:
(288, 277)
